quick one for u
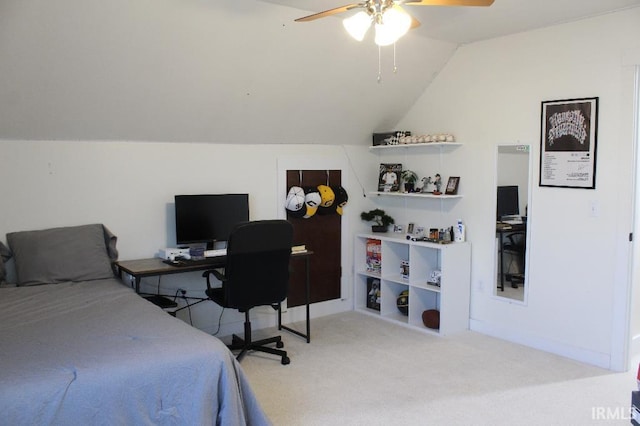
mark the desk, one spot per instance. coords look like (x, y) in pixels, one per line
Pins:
(153, 267)
(306, 255)
(501, 230)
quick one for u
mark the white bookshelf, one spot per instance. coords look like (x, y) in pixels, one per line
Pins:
(451, 298)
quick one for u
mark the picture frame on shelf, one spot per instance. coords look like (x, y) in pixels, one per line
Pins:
(389, 177)
(452, 185)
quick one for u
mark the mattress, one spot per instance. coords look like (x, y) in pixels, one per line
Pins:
(96, 353)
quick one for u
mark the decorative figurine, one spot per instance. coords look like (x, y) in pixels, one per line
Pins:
(423, 186)
(437, 182)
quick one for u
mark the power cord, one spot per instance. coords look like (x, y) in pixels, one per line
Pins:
(219, 322)
(182, 291)
(183, 296)
(353, 169)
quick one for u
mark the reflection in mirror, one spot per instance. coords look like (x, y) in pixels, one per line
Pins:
(512, 198)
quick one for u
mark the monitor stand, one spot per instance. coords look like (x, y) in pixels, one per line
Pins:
(217, 245)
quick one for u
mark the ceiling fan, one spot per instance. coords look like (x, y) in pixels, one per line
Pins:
(390, 20)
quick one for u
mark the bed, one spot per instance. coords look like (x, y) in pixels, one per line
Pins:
(80, 347)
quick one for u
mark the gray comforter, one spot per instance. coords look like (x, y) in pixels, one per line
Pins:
(96, 353)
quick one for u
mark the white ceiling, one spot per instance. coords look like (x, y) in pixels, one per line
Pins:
(468, 24)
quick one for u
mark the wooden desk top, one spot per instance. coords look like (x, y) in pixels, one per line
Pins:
(507, 227)
(155, 266)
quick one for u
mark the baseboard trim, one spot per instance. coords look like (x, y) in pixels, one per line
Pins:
(517, 336)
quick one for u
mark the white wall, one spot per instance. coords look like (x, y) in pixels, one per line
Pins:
(129, 186)
(238, 71)
(489, 94)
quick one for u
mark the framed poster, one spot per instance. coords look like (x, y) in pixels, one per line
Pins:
(568, 143)
(389, 177)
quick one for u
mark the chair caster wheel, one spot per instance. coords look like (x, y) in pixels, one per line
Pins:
(285, 360)
(279, 345)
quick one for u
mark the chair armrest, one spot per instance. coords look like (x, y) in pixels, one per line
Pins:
(220, 276)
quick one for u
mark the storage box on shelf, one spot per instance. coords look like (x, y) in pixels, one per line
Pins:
(451, 298)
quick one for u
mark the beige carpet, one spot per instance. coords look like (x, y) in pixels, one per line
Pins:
(360, 370)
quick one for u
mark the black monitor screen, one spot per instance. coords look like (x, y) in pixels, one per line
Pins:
(508, 203)
(209, 217)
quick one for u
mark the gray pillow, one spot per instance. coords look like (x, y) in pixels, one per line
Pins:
(5, 255)
(78, 253)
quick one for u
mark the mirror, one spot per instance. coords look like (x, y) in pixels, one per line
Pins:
(512, 206)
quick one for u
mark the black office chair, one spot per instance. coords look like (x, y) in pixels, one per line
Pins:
(256, 274)
(515, 246)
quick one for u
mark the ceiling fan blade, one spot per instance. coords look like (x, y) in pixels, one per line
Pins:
(329, 12)
(449, 2)
(414, 22)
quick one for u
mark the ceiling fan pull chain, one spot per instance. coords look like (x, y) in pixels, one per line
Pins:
(379, 67)
(395, 68)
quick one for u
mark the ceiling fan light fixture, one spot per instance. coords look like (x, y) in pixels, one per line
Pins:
(357, 25)
(395, 23)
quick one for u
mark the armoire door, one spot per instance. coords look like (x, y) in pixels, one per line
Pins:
(321, 233)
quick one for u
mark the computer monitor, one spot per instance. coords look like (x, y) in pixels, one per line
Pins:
(209, 218)
(508, 203)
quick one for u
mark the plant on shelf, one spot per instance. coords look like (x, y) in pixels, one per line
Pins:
(409, 177)
(380, 219)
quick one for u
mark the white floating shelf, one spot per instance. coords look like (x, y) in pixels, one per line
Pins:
(414, 145)
(415, 195)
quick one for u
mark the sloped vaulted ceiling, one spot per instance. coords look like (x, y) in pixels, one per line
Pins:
(198, 71)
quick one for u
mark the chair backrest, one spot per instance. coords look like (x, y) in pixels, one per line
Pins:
(257, 268)
(516, 241)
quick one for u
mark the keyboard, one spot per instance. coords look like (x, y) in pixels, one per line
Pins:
(215, 253)
(189, 262)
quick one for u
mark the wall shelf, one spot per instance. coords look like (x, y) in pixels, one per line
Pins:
(415, 195)
(414, 145)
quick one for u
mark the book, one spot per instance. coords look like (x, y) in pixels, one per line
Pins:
(389, 177)
(373, 293)
(300, 248)
(374, 255)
